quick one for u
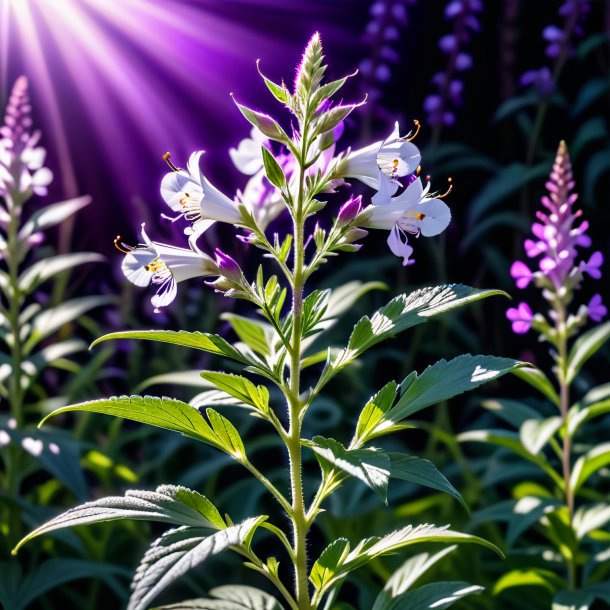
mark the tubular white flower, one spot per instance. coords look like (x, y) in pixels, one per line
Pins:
(196, 200)
(248, 156)
(411, 212)
(165, 266)
(382, 163)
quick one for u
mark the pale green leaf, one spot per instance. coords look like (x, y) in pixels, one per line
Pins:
(584, 347)
(371, 466)
(589, 518)
(230, 597)
(588, 464)
(52, 215)
(374, 410)
(257, 335)
(177, 552)
(274, 172)
(431, 596)
(328, 562)
(167, 504)
(206, 342)
(227, 434)
(536, 433)
(241, 388)
(529, 577)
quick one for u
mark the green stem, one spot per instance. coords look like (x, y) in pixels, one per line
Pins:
(300, 525)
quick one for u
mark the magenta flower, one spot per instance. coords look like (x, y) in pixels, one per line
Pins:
(521, 318)
(592, 266)
(349, 210)
(521, 273)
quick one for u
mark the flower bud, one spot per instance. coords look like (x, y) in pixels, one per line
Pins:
(227, 267)
(349, 210)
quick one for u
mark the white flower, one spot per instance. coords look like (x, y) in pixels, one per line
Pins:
(411, 212)
(382, 163)
(164, 265)
(195, 199)
(248, 156)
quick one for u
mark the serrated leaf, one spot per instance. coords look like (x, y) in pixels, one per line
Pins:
(588, 464)
(275, 174)
(230, 597)
(167, 413)
(371, 466)
(536, 433)
(446, 379)
(46, 268)
(423, 472)
(407, 574)
(227, 434)
(206, 342)
(52, 215)
(401, 313)
(241, 388)
(328, 562)
(167, 504)
(433, 595)
(176, 552)
(585, 347)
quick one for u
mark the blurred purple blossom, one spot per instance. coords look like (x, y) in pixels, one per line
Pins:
(559, 46)
(440, 105)
(383, 29)
(558, 232)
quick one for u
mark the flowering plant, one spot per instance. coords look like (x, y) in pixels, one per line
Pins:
(275, 349)
(564, 503)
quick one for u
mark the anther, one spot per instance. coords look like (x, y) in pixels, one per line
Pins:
(417, 128)
(120, 246)
(167, 159)
(449, 189)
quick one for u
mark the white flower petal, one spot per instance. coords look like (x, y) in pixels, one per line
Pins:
(437, 217)
(398, 246)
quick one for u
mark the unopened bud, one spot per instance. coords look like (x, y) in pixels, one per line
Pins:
(227, 267)
(349, 210)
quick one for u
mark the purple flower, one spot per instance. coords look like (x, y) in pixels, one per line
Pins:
(521, 318)
(349, 210)
(592, 266)
(227, 266)
(521, 273)
(596, 310)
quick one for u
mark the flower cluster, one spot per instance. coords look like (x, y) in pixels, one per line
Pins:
(558, 45)
(558, 232)
(401, 205)
(382, 32)
(21, 159)
(463, 14)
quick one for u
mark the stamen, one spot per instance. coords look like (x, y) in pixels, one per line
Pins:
(122, 247)
(449, 189)
(418, 171)
(417, 128)
(167, 159)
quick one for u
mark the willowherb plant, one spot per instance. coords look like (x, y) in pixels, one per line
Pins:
(277, 347)
(567, 506)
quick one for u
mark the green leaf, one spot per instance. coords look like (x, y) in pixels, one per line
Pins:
(536, 433)
(407, 574)
(52, 319)
(423, 472)
(52, 215)
(178, 551)
(279, 92)
(227, 434)
(167, 504)
(328, 562)
(265, 124)
(371, 466)
(206, 342)
(167, 413)
(46, 268)
(371, 548)
(589, 518)
(433, 595)
(572, 600)
(511, 411)
(526, 512)
(230, 597)
(538, 380)
(591, 91)
(585, 347)
(529, 577)
(588, 464)
(275, 174)
(331, 118)
(402, 312)
(446, 379)
(314, 308)
(374, 410)
(241, 388)
(257, 335)
(328, 90)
